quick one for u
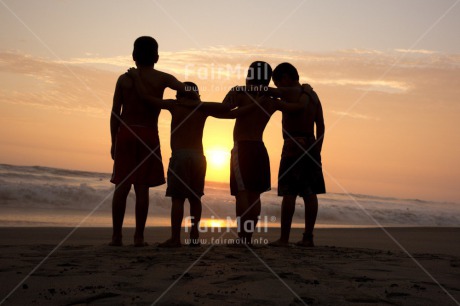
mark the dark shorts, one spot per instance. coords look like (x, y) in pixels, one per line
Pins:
(137, 157)
(186, 173)
(300, 174)
(249, 167)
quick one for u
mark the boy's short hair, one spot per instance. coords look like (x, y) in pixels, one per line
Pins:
(285, 69)
(145, 51)
(189, 88)
(259, 73)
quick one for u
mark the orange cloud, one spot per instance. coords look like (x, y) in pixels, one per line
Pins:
(47, 84)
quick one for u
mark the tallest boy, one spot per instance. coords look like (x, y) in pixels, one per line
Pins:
(135, 142)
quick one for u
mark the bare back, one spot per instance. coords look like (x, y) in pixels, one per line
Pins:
(135, 111)
(251, 125)
(187, 126)
(301, 123)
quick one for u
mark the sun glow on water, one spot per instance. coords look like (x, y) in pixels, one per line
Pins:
(214, 223)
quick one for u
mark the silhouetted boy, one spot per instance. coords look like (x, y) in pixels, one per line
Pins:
(250, 166)
(135, 143)
(300, 172)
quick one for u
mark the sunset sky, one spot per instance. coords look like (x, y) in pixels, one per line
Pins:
(387, 73)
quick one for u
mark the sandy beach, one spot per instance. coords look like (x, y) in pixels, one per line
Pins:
(348, 267)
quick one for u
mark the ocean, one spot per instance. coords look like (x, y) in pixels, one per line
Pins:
(43, 196)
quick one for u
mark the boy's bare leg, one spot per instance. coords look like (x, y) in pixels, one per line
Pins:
(248, 210)
(287, 212)
(195, 212)
(118, 212)
(311, 211)
(177, 214)
(142, 210)
(253, 212)
(242, 206)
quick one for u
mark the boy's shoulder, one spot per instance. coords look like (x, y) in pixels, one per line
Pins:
(312, 95)
(162, 74)
(124, 80)
(160, 79)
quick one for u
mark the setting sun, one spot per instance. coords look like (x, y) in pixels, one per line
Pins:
(217, 158)
(218, 164)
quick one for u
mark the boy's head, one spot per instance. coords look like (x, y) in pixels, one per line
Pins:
(145, 52)
(191, 91)
(259, 74)
(285, 75)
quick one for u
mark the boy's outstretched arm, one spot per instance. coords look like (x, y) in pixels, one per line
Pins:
(243, 110)
(292, 107)
(275, 92)
(115, 115)
(282, 91)
(177, 85)
(214, 108)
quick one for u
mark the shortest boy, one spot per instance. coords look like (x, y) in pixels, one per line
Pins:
(187, 166)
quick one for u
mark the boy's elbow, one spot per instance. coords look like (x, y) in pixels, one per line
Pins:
(225, 107)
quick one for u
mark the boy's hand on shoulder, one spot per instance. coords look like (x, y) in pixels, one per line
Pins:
(133, 72)
(307, 88)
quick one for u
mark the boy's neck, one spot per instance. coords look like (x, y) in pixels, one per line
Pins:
(145, 67)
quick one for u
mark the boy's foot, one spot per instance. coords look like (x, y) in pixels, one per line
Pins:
(139, 242)
(170, 243)
(116, 241)
(307, 241)
(194, 242)
(279, 243)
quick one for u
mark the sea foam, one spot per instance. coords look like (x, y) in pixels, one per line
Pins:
(63, 197)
